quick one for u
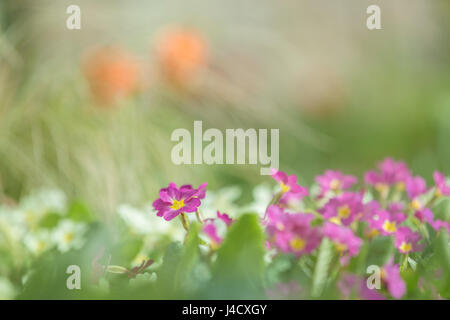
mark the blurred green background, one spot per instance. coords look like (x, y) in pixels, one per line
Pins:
(344, 97)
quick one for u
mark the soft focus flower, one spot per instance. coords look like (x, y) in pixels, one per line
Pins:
(182, 53)
(441, 186)
(390, 275)
(38, 242)
(424, 215)
(200, 191)
(390, 173)
(334, 181)
(415, 186)
(211, 231)
(225, 199)
(369, 294)
(406, 240)
(145, 223)
(174, 201)
(225, 218)
(292, 232)
(386, 222)
(347, 244)
(351, 285)
(438, 224)
(289, 186)
(112, 74)
(344, 208)
(69, 235)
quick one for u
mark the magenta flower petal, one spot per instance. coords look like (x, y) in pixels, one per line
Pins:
(334, 180)
(406, 240)
(211, 230)
(292, 232)
(441, 185)
(415, 186)
(225, 218)
(391, 276)
(174, 201)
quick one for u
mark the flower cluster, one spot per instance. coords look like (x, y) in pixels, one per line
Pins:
(390, 203)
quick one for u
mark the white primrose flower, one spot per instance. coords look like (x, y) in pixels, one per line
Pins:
(69, 235)
(222, 200)
(38, 242)
(145, 222)
(45, 201)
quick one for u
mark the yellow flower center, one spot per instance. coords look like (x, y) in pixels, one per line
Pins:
(335, 184)
(284, 188)
(406, 247)
(41, 246)
(68, 237)
(415, 204)
(336, 220)
(340, 247)
(344, 212)
(373, 233)
(381, 187)
(400, 186)
(389, 226)
(437, 193)
(297, 244)
(177, 204)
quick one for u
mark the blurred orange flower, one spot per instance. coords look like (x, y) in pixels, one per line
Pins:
(112, 73)
(181, 54)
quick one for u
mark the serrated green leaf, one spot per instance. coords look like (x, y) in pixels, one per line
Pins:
(320, 275)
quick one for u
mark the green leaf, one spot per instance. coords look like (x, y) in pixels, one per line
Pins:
(189, 256)
(50, 221)
(239, 268)
(320, 275)
(126, 251)
(179, 262)
(78, 211)
(443, 255)
(380, 250)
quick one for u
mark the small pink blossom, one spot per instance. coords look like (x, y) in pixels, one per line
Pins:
(441, 185)
(292, 232)
(390, 275)
(438, 224)
(289, 186)
(345, 208)
(390, 172)
(335, 181)
(415, 186)
(347, 244)
(225, 218)
(424, 215)
(385, 222)
(174, 201)
(406, 240)
(211, 231)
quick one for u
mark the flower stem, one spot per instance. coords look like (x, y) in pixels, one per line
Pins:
(199, 216)
(276, 198)
(404, 263)
(314, 212)
(184, 222)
